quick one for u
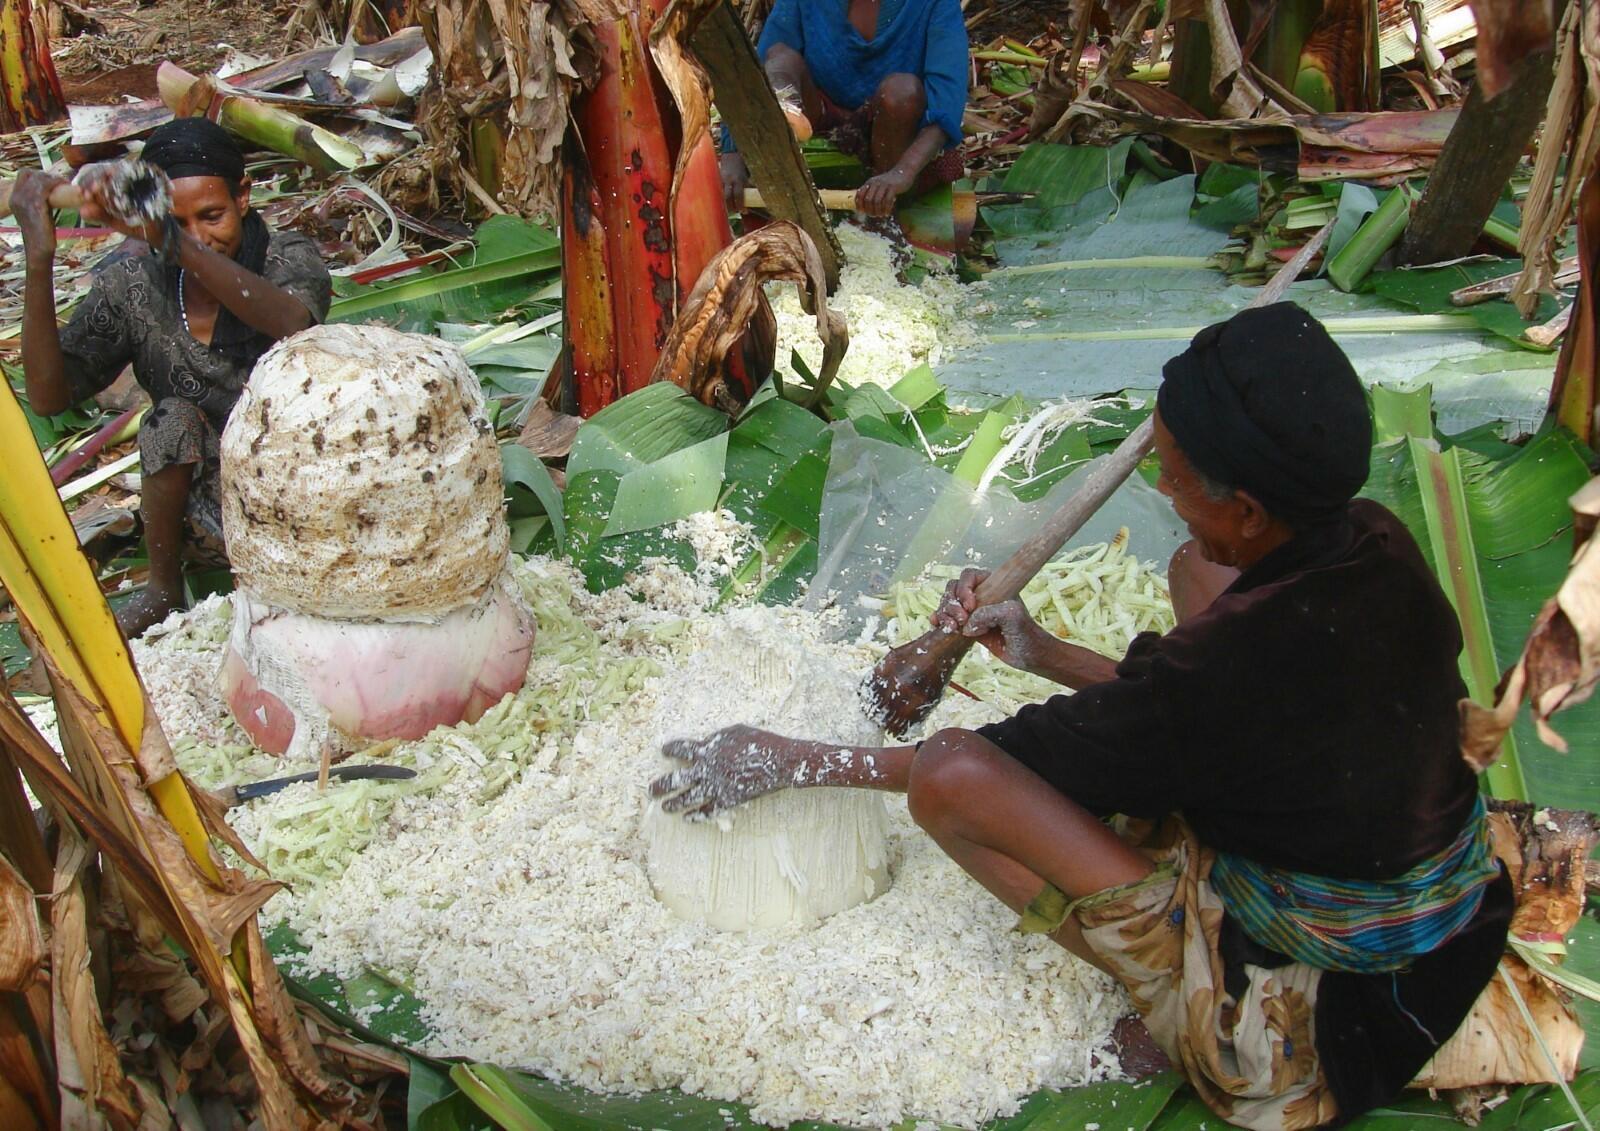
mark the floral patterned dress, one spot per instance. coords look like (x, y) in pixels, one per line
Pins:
(132, 315)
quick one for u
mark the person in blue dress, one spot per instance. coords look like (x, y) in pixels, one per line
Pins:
(889, 76)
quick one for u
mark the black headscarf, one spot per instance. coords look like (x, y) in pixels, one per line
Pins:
(1266, 402)
(195, 147)
(198, 147)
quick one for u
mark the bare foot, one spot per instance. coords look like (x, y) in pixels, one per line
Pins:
(1137, 1050)
(148, 608)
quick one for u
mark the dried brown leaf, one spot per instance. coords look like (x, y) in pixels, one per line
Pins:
(20, 838)
(686, 79)
(22, 949)
(199, 911)
(547, 433)
(1561, 660)
(1239, 95)
(27, 1096)
(729, 295)
(88, 1070)
(279, 1024)
(1570, 138)
(520, 64)
(1544, 852)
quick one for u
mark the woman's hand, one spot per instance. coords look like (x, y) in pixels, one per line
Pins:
(1004, 628)
(93, 182)
(735, 179)
(31, 206)
(728, 768)
(878, 196)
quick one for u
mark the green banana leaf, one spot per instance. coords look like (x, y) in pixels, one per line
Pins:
(1428, 292)
(667, 450)
(631, 433)
(1072, 185)
(510, 262)
(531, 491)
(1512, 520)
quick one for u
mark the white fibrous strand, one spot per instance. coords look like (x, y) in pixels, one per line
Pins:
(791, 857)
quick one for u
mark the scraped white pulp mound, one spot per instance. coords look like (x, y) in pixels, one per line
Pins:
(360, 477)
(894, 326)
(362, 506)
(792, 857)
(509, 888)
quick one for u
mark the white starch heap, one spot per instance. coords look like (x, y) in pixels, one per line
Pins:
(508, 888)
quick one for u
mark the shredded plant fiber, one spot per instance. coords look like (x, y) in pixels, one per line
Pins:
(507, 887)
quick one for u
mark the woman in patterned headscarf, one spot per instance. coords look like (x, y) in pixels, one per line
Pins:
(191, 308)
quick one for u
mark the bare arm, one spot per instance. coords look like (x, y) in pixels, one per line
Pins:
(742, 763)
(44, 371)
(1073, 666)
(257, 302)
(877, 197)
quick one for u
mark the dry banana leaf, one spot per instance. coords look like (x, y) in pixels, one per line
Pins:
(88, 1071)
(729, 295)
(1383, 147)
(1570, 140)
(1573, 396)
(22, 949)
(512, 67)
(1239, 95)
(1544, 851)
(204, 910)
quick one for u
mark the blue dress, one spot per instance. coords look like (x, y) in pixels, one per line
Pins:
(926, 38)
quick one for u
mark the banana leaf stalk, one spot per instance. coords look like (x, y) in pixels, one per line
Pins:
(1573, 396)
(1338, 64)
(1381, 231)
(270, 127)
(30, 92)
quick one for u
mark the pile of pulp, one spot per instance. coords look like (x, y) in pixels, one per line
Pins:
(507, 886)
(894, 326)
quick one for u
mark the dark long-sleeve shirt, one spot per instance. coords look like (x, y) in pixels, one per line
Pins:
(1306, 720)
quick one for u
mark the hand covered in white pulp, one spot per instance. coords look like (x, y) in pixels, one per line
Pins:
(1005, 628)
(732, 766)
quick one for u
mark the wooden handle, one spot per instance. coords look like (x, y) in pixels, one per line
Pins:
(62, 196)
(1016, 571)
(834, 200)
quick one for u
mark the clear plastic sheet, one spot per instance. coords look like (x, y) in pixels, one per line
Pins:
(887, 513)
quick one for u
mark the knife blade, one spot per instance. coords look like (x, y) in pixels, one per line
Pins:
(372, 772)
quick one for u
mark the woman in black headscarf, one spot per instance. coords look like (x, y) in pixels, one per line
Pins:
(1313, 907)
(192, 308)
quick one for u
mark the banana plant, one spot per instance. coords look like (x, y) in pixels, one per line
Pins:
(30, 92)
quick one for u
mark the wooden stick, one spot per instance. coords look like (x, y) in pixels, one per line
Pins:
(62, 196)
(908, 682)
(844, 200)
(834, 200)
